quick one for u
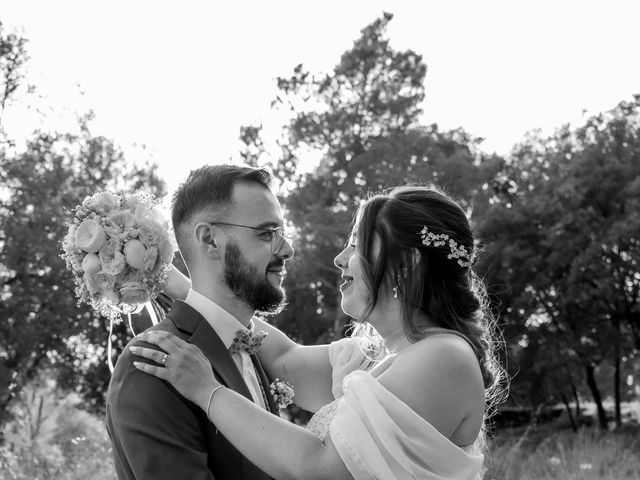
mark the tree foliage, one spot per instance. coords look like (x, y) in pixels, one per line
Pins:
(563, 233)
(41, 324)
(363, 118)
(558, 219)
(13, 57)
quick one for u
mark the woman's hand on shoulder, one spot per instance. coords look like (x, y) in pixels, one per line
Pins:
(439, 378)
(180, 363)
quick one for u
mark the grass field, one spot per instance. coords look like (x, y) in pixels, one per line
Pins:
(70, 444)
(545, 454)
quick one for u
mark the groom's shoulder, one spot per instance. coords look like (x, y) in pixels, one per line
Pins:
(125, 375)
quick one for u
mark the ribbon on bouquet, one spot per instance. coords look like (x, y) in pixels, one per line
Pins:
(153, 315)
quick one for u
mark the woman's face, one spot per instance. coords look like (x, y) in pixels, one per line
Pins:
(355, 292)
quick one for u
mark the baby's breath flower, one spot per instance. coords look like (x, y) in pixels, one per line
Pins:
(282, 392)
(430, 239)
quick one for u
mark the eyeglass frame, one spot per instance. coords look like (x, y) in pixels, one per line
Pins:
(278, 231)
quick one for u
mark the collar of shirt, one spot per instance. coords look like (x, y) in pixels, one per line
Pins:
(222, 322)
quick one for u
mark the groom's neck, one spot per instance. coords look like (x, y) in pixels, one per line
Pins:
(224, 298)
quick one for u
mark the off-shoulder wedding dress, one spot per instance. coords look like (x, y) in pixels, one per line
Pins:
(377, 435)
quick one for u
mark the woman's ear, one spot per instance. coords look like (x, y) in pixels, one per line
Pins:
(416, 258)
(411, 262)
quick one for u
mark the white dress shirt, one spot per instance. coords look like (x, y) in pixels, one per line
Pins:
(226, 325)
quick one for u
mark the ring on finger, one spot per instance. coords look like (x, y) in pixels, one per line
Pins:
(164, 359)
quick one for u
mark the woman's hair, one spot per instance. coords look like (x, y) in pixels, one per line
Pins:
(427, 276)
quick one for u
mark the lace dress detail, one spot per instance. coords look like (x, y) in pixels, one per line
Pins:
(319, 423)
(345, 355)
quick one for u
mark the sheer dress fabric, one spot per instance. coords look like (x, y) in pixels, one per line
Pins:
(377, 435)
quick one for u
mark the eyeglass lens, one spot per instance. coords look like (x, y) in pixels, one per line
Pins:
(278, 240)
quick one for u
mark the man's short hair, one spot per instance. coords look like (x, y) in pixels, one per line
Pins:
(209, 187)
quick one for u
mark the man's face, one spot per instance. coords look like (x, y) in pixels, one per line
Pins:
(251, 271)
(249, 284)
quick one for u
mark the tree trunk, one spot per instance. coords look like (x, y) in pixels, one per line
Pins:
(574, 427)
(616, 377)
(574, 390)
(616, 388)
(591, 382)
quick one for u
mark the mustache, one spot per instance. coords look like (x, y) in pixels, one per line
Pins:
(279, 263)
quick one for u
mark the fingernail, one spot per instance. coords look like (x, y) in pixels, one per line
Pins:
(137, 364)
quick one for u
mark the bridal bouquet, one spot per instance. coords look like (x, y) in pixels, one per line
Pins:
(119, 251)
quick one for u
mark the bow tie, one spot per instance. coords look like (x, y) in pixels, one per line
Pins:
(245, 340)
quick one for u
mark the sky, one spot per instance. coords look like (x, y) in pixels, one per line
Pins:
(180, 78)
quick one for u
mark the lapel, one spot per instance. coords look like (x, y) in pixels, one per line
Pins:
(262, 376)
(189, 321)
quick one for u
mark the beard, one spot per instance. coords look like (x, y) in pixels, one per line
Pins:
(251, 285)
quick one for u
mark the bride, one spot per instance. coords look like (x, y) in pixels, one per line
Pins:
(406, 396)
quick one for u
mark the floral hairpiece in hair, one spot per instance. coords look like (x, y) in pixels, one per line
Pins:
(442, 239)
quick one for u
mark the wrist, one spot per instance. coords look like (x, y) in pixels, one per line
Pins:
(177, 285)
(209, 399)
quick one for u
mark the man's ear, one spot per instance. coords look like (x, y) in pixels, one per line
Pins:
(208, 238)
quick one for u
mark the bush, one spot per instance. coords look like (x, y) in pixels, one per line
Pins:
(49, 437)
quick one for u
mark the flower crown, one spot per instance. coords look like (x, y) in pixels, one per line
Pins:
(441, 239)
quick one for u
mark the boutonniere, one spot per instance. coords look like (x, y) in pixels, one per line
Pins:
(282, 392)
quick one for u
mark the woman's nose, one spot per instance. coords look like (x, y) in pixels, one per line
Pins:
(339, 261)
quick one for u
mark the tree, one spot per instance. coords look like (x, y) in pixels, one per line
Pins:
(563, 232)
(41, 320)
(41, 324)
(363, 118)
(13, 57)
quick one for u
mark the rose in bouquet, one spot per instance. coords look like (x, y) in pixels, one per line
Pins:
(119, 250)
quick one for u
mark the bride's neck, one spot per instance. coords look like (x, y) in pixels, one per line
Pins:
(395, 338)
(396, 343)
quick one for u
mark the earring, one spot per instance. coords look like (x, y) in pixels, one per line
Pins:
(395, 289)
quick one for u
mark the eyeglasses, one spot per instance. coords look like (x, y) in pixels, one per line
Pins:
(278, 234)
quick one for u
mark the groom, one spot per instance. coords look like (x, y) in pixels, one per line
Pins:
(228, 225)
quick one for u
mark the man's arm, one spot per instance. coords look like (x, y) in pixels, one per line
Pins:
(155, 432)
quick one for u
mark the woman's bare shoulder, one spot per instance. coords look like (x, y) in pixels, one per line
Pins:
(440, 379)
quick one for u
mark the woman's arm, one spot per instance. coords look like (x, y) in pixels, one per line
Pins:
(177, 285)
(281, 449)
(306, 368)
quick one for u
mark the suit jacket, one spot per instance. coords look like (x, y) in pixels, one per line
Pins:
(158, 434)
